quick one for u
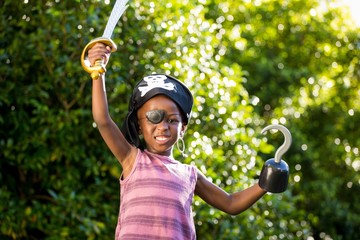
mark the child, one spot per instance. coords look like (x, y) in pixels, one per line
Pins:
(156, 190)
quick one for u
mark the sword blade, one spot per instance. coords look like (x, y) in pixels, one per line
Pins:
(118, 9)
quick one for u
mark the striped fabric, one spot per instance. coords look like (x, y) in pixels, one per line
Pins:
(156, 198)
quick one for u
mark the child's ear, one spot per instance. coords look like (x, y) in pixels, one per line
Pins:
(139, 128)
(183, 129)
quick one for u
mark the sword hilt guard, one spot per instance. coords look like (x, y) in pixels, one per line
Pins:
(99, 67)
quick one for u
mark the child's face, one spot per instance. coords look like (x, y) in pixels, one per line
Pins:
(160, 137)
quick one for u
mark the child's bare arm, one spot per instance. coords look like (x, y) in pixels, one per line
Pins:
(230, 203)
(113, 137)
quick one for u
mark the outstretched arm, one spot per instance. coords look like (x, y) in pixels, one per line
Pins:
(113, 137)
(230, 203)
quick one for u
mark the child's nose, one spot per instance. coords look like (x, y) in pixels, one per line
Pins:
(163, 124)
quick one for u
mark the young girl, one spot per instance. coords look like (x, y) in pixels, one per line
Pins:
(156, 190)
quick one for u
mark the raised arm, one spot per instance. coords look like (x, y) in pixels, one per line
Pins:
(110, 132)
(230, 203)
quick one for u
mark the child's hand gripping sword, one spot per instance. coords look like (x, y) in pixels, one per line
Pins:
(99, 67)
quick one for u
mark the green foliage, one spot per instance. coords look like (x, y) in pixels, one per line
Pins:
(248, 63)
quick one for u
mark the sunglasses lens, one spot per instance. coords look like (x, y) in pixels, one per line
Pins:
(155, 116)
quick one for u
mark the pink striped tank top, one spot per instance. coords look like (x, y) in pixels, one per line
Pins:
(156, 198)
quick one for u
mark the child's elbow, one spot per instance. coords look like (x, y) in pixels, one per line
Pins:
(102, 122)
(234, 212)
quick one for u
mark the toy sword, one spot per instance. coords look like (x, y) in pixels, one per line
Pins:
(99, 67)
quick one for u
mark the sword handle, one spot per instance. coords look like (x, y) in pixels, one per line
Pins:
(99, 66)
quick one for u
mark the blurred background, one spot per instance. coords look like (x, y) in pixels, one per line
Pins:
(248, 63)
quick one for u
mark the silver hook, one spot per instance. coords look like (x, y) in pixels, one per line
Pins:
(287, 141)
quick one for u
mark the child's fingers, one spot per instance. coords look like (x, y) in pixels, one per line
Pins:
(99, 51)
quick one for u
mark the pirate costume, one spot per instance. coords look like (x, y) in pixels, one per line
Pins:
(156, 197)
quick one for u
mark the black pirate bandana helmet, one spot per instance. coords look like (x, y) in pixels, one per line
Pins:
(148, 87)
